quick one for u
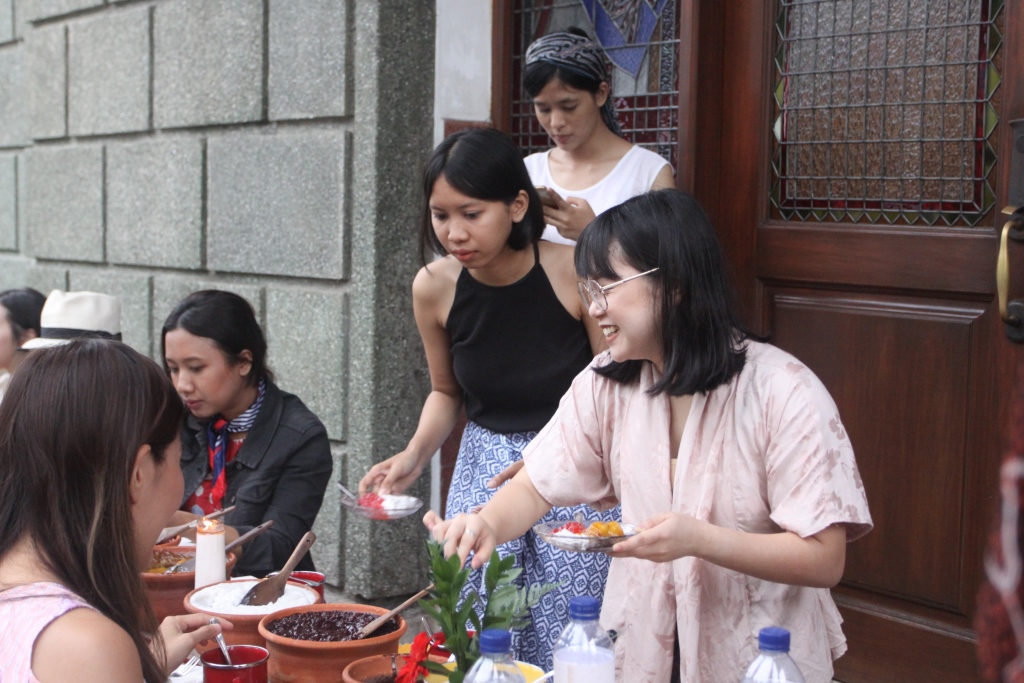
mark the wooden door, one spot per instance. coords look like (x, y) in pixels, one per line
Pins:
(858, 195)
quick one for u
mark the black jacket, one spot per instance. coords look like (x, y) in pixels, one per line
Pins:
(280, 473)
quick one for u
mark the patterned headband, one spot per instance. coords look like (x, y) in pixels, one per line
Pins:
(579, 55)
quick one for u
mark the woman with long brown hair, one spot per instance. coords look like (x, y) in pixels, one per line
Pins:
(89, 476)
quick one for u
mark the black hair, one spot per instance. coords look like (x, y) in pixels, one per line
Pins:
(23, 308)
(226, 319)
(702, 339)
(539, 74)
(484, 164)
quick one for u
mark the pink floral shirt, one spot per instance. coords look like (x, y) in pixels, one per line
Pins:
(764, 453)
(24, 612)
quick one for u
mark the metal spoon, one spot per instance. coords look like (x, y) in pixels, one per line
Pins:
(220, 642)
(348, 493)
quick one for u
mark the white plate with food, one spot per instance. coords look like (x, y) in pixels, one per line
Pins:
(584, 537)
(374, 505)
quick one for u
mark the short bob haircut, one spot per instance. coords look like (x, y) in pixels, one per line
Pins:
(484, 164)
(540, 73)
(228, 321)
(24, 306)
(71, 426)
(702, 339)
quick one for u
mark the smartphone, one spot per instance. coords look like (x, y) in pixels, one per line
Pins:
(548, 197)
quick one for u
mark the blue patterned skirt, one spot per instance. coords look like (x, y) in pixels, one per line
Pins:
(482, 455)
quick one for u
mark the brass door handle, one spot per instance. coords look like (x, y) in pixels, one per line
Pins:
(1012, 312)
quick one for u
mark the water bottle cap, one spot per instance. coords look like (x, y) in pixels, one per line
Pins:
(495, 641)
(773, 639)
(584, 607)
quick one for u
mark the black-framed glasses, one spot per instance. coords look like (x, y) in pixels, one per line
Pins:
(591, 292)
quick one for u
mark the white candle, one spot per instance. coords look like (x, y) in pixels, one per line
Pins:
(210, 558)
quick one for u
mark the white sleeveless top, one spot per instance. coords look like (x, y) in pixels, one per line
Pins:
(633, 175)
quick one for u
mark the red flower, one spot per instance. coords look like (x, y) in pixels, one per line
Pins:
(418, 652)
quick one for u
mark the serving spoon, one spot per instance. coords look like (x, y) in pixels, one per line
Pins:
(381, 620)
(269, 590)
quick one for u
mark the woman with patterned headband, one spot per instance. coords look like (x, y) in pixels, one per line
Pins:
(590, 168)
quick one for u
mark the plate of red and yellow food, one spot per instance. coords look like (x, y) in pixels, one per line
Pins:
(584, 537)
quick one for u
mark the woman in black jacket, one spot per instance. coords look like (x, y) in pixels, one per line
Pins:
(245, 442)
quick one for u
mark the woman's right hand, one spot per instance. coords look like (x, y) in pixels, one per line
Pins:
(463, 534)
(393, 475)
(180, 634)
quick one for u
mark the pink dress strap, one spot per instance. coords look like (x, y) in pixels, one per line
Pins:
(24, 612)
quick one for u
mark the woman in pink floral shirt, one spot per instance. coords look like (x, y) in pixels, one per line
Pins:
(748, 526)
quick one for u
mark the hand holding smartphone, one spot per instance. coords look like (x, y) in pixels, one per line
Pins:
(548, 197)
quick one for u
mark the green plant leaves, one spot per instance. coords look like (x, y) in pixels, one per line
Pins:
(508, 606)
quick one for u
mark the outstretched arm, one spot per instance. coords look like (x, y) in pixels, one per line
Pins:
(432, 293)
(509, 514)
(784, 557)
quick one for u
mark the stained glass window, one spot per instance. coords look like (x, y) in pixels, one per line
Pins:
(640, 38)
(884, 110)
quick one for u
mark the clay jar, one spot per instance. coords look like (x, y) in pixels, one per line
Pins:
(167, 591)
(308, 661)
(245, 631)
(369, 668)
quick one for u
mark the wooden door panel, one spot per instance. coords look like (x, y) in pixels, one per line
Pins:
(893, 646)
(858, 344)
(897, 317)
(890, 257)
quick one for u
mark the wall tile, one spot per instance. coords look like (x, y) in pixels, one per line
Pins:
(306, 330)
(109, 73)
(64, 205)
(208, 62)
(275, 204)
(308, 71)
(14, 123)
(154, 203)
(47, 81)
(8, 202)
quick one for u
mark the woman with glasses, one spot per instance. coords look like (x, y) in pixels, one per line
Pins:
(727, 452)
(505, 333)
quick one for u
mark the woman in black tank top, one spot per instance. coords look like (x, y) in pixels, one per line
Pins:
(505, 333)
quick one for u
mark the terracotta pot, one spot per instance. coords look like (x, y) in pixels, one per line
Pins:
(307, 661)
(245, 631)
(362, 670)
(167, 591)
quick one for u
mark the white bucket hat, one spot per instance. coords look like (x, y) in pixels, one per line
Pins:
(72, 315)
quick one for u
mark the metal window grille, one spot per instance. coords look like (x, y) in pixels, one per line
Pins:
(884, 110)
(645, 92)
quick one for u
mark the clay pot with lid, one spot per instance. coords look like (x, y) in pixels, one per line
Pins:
(308, 661)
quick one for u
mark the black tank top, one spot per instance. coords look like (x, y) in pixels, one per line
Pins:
(515, 350)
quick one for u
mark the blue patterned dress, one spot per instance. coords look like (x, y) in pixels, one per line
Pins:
(482, 455)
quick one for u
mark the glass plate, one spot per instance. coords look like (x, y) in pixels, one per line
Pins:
(581, 544)
(403, 506)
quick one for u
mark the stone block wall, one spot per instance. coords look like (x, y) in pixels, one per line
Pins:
(150, 148)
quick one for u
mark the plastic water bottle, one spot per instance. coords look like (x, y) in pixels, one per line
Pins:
(773, 664)
(583, 653)
(495, 664)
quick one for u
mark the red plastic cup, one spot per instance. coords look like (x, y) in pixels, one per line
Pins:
(314, 580)
(248, 665)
